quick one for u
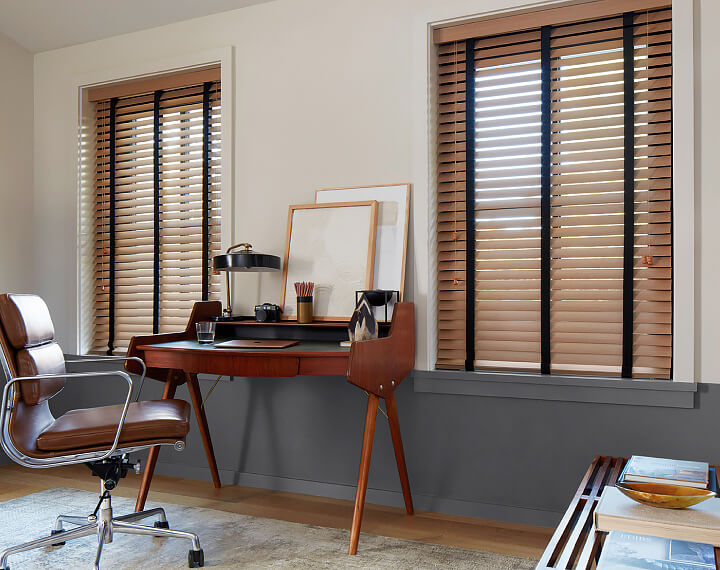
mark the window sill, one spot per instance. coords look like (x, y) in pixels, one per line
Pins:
(656, 393)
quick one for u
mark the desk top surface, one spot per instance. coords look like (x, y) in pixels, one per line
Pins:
(315, 348)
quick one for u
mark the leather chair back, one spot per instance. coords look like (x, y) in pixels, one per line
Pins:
(30, 347)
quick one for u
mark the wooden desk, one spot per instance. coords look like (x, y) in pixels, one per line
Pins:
(378, 368)
(576, 544)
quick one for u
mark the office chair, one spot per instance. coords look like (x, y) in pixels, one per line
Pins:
(100, 437)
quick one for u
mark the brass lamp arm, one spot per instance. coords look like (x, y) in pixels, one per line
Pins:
(247, 246)
(228, 307)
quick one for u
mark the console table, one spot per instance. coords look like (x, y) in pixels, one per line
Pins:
(576, 544)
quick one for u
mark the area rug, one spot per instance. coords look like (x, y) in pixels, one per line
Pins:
(229, 540)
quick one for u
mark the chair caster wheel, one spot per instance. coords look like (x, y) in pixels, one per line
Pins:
(196, 558)
(161, 524)
(54, 532)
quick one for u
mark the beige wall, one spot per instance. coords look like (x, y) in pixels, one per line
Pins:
(707, 190)
(327, 93)
(16, 170)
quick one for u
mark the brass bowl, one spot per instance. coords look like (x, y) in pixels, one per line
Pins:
(664, 496)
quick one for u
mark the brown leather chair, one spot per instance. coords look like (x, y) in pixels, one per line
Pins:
(100, 437)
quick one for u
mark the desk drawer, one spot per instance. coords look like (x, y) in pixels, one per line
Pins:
(323, 366)
(223, 363)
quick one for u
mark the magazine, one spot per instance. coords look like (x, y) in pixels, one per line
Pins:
(625, 551)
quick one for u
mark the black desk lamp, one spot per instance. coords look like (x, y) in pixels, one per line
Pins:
(245, 260)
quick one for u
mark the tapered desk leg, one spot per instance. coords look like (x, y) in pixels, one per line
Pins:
(168, 392)
(370, 420)
(196, 397)
(399, 454)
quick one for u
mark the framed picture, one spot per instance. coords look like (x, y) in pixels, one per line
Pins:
(332, 245)
(392, 232)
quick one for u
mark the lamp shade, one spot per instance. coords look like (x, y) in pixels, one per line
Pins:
(246, 260)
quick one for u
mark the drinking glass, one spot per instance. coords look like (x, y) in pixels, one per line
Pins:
(205, 332)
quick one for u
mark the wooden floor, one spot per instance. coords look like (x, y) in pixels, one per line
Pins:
(463, 532)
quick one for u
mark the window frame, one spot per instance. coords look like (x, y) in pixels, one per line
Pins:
(683, 181)
(85, 189)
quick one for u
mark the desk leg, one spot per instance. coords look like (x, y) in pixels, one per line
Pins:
(196, 397)
(370, 420)
(399, 453)
(168, 392)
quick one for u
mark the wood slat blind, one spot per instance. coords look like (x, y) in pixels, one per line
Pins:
(507, 202)
(157, 186)
(451, 206)
(571, 139)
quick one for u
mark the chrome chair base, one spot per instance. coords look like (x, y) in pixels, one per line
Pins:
(105, 526)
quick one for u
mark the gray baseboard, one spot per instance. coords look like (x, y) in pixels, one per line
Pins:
(505, 513)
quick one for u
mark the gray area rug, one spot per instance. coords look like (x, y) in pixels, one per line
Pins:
(229, 541)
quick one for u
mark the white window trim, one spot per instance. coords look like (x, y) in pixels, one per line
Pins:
(223, 56)
(683, 170)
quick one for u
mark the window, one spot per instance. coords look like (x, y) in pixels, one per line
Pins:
(560, 152)
(157, 204)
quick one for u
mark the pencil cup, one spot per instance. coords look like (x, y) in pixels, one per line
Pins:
(305, 309)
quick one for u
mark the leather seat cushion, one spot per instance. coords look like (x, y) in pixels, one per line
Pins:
(26, 319)
(149, 420)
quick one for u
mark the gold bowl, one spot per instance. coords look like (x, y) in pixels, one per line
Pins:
(664, 496)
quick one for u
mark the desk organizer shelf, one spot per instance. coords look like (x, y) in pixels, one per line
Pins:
(328, 331)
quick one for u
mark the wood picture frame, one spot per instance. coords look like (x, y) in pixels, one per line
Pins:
(332, 245)
(392, 234)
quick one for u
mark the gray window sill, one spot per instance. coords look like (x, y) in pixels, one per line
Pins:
(661, 393)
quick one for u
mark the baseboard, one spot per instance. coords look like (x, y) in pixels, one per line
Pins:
(436, 504)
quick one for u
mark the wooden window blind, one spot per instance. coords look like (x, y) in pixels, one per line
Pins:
(558, 151)
(157, 210)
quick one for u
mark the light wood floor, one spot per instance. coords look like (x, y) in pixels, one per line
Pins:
(464, 532)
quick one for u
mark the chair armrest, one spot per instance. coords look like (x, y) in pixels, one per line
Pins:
(113, 358)
(53, 462)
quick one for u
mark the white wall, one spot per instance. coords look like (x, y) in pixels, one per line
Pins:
(707, 190)
(16, 170)
(328, 93)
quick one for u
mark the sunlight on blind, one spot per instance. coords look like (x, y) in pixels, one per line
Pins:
(507, 198)
(181, 172)
(587, 188)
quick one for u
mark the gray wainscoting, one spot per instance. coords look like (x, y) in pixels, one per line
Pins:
(515, 459)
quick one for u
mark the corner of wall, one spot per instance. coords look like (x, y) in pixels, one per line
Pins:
(16, 165)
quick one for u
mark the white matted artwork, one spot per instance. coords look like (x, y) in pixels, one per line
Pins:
(332, 245)
(392, 232)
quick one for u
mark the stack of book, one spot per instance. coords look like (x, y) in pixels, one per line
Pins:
(642, 469)
(648, 537)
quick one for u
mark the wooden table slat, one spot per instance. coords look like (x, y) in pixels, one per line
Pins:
(562, 527)
(572, 546)
(593, 540)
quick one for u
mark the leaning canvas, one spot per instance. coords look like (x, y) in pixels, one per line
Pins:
(392, 232)
(332, 245)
